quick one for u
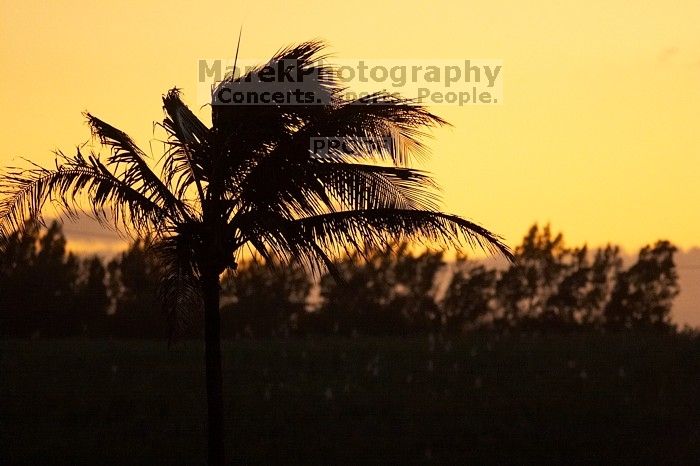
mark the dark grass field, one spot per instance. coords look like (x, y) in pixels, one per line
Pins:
(582, 398)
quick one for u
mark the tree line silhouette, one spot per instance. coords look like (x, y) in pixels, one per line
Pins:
(49, 292)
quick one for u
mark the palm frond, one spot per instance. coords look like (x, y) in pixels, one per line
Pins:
(183, 166)
(362, 186)
(26, 191)
(179, 287)
(260, 123)
(136, 173)
(309, 186)
(379, 126)
(246, 132)
(378, 227)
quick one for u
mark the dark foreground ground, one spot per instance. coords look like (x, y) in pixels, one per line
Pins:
(481, 399)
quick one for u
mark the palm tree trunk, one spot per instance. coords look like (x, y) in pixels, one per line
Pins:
(212, 346)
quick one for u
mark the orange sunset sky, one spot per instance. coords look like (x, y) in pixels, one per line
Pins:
(599, 132)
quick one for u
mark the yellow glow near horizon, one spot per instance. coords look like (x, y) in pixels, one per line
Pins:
(599, 133)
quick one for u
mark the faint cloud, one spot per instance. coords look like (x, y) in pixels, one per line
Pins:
(686, 308)
(86, 236)
(667, 54)
(672, 53)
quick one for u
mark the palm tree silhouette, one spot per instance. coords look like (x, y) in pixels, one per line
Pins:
(250, 180)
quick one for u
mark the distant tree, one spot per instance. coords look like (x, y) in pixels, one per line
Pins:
(92, 300)
(17, 276)
(470, 297)
(58, 272)
(525, 288)
(358, 302)
(605, 269)
(135, 277)
(38, 278)
(413, 293)
(387, 291)
(643, 295)
(266, 299)
(565, 306)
